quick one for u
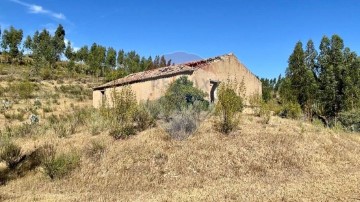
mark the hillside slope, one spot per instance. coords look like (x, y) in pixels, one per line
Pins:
(284, 160)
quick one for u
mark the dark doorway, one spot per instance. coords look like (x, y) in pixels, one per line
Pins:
(103, 98)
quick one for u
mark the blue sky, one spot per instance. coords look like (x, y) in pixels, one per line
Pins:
(262, 34)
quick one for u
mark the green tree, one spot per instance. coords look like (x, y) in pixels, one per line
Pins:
(310, 58)
(46, 49)
(162, 61)
(150, 63)
(43, 50)
(308, 91)
(168, 63)
(110, 61)
(82, 54)
(351, 80)
(11, 40)
(28, 43)
(268, 88)
(327, 80)
(302, 84)
(58, 42)
(132, 62)
(156, 62)
(96, 60)
(121, 58)
(69, 52)
(295, 71)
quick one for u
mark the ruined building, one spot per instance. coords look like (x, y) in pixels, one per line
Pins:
(206, 74)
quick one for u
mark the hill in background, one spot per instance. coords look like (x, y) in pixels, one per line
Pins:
(182, 57)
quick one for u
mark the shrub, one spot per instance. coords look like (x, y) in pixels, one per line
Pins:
(182, 125)
(95, 149)
(350, 120)
(37, 103)
(62, 130)
(291, 110)
(228, 105)
(24, 130)
(265, 112)
(15, 116)
(98, 122)
(123, 132)
(143, 118)
(35, 159)
(75, 91)
(23, 89)
(59, 166)
(53, 119)
(182, 93)
(125, 105)
(154, 108)
(42, 154)
(46, 73)
(11, 154)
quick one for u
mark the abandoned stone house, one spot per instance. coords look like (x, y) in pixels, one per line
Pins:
(205, 74)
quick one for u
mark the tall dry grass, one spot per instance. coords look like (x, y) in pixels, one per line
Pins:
(282, 160)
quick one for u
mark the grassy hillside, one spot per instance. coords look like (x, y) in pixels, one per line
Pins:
(47, 93)
(282, 160)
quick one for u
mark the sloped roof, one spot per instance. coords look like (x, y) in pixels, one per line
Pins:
(160, 72)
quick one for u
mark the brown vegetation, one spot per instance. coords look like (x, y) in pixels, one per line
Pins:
(282, 160)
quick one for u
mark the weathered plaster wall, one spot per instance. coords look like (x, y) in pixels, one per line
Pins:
(97, 98)
(221, 69)
(224, 69)
(147, 90)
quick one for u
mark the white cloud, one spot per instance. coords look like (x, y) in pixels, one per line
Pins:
(59, 16)
(36, 9)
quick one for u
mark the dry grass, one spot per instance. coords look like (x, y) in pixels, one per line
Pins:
(283, 160)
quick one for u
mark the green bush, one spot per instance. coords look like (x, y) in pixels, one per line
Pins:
(350, 120)
(11, 154)
(143, 118)
(63, 129)
(228, 106)
(181, 93)
(154, 108)
(59, 166)
(291, 110)
(23, 90)
(265, 112)
(46, 74)
(125, 105)
(123, 132)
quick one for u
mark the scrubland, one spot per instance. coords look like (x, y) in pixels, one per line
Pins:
(273, 160)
